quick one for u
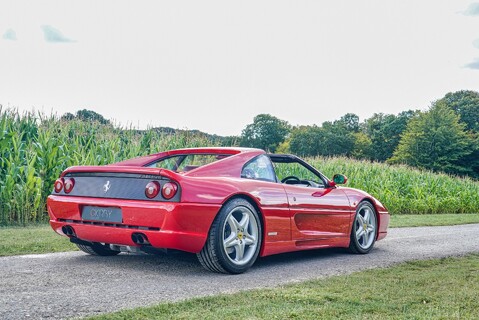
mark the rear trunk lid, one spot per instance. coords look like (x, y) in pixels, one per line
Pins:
(118, 182)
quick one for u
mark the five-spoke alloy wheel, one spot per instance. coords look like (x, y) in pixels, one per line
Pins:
(363, 233)
(234, 239)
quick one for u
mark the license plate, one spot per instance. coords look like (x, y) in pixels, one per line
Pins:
(106, 214)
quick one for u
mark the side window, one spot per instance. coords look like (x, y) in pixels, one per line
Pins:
(297, 174)
(260, 168)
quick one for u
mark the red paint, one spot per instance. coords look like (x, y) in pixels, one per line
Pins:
(294, 217)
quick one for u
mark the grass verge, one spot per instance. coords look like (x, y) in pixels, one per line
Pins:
(434, 289)
(424, 220)
(32, 239)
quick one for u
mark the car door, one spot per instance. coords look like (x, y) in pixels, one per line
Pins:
(317, 211)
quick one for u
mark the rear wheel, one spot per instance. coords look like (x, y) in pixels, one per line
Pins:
(97, 249)
(234, 239)
(363, 233)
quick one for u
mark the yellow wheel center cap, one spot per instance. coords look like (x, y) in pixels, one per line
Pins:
(365, 226)
(240, 235)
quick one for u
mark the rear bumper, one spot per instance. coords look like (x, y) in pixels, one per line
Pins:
(171, 225)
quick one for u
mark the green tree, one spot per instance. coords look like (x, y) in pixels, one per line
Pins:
(89, 115)
(266, 132)
(332, 138)
(86, 115)
(349, 122)
(466, 104)
(435, 140)
(284, 147)
(306, 140)
(362, 146)
(384, 131)
(337, 139)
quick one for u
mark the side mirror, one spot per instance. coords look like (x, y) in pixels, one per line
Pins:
(340, 179)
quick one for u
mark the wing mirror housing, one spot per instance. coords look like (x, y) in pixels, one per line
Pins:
(339, 179)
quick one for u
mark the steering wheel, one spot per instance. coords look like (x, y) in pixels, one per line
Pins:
(290, 178)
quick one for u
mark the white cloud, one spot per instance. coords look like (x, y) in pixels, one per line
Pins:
(472, 9)
(54, 35)
(473, 65)
(10, 34)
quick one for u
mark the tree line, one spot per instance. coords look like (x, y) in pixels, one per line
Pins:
(444, 138)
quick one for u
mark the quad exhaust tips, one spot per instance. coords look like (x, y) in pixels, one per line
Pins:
(140, 239)
(68, 231)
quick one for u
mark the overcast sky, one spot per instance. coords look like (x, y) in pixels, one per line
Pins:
(214, 65)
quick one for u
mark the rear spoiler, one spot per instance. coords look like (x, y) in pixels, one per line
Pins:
(123, 169)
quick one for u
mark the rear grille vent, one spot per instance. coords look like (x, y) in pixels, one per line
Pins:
(109, 224)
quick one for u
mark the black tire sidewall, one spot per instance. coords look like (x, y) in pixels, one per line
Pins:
(354, 246)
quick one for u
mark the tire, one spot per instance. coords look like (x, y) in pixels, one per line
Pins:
(364, 230)
(234, 240)
(97, 249)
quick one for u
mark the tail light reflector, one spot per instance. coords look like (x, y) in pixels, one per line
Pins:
(169, 190)
(69, 184)
(152, 189)
(58, 185)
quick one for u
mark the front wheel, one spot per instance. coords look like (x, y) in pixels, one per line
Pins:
(363, 232)
(234, 239)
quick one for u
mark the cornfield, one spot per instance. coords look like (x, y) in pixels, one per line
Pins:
(35, 149)
(404, 190)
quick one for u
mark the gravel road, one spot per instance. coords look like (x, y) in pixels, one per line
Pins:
(74, 284)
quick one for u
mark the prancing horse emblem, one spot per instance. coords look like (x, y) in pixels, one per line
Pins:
(106, 186)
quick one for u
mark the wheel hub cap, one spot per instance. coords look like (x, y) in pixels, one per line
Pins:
(240, 235)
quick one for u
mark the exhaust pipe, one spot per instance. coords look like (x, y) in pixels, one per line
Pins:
(134, 238)
(68, 231)
(140, 239)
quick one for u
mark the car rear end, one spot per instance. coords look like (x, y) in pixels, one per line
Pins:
(127, 208)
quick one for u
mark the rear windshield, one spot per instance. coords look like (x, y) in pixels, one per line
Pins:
(187, 162)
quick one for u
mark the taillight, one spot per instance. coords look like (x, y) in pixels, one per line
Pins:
(152, 189)
(68, 185)
(58, 185)
(169, 190)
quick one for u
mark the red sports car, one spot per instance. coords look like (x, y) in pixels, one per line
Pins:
(227, 205)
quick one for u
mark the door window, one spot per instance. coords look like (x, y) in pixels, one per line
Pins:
(297, 174)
